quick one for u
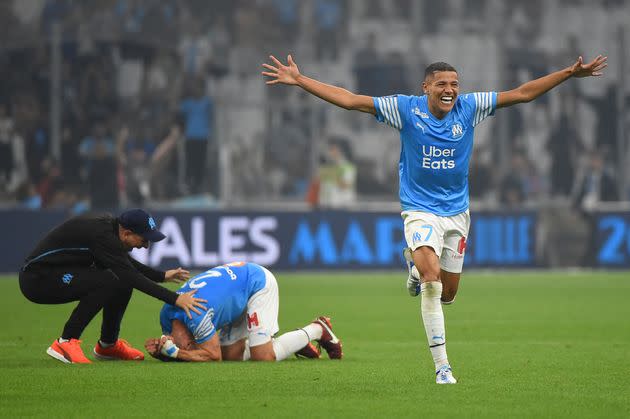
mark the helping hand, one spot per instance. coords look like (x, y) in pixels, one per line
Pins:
(178, 275)
(579, 69)
(187, 302)
(285, 74)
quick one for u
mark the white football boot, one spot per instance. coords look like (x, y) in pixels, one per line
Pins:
(444, 375)
(413, 280)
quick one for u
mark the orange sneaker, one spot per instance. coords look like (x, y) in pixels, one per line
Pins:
(121, 350)
(69, 352)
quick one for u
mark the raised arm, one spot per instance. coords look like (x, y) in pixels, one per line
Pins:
(290, 75)
(532, 89)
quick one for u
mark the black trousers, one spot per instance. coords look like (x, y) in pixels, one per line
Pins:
(95, 289)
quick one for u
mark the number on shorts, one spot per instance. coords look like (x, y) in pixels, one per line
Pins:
(417, 236)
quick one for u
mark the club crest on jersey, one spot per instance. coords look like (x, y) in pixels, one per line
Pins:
(457, 130)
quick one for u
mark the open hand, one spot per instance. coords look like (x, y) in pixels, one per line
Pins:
(280, 73)
(187, 302)
(178, 275)
(594, 68)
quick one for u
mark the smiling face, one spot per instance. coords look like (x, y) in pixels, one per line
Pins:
(441, 88)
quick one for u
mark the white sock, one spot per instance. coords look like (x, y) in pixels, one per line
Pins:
(105, 345)
(433, 319)
(314, 331)
(286, 345)
(62, 340)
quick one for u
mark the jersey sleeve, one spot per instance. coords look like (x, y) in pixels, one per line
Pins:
(483, 105)
(391, 110)
(112, 256)
(203, 328)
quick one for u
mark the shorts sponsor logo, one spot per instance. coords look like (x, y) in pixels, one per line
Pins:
(424, 235)
(461, 246)
(67, 278)
(252, 320)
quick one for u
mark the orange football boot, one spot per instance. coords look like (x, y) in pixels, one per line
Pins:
(69, 352)
(120, 351)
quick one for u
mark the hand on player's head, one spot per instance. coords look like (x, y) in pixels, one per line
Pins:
(280, 73)
(594, 68)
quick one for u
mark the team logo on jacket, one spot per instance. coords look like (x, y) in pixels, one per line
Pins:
(457, 130)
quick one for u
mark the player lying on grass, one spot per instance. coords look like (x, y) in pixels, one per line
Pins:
(240, 322)
(436, 132)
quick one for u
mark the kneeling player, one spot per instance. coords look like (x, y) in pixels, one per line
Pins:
(243, 308)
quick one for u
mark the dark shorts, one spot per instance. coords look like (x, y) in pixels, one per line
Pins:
(63, 284)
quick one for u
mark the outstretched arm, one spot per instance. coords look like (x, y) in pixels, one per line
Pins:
(532, 89)
(290, 75)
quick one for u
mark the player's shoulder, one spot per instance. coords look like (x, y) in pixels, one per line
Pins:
(476, 98)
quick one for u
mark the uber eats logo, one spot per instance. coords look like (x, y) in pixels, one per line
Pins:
(437, 158)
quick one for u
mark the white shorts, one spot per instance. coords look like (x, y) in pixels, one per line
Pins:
(446, 235)
(260, 320)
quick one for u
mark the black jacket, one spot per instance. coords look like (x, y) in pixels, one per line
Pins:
(92, 240)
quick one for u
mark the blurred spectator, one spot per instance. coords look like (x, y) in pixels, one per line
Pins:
(194, 49)
(101, 168)
(513, 187)
(480, 178)
(368, 68)
(337, 177)
(70, 158)
(197, 109)
(607, 112)
(595, 184)
(28, 197)
(221, 46)
(329, 22)
(563, 145)
(163, 166)
(50, 186)
(13, 169)
(135, 161)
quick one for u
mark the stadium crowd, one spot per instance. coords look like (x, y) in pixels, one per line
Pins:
(161, 100)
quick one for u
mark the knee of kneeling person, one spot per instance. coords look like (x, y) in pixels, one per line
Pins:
(264, 356)
(263, 352)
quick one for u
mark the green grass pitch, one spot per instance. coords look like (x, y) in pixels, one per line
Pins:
(521, 344)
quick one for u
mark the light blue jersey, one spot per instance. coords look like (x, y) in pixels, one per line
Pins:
(227, 289)
(435, 153)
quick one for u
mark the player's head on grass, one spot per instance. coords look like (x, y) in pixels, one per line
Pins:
(441, 87)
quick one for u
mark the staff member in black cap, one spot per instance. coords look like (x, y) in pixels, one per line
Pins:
(86, 259)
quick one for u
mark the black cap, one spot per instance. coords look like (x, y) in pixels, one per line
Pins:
(140, 222)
